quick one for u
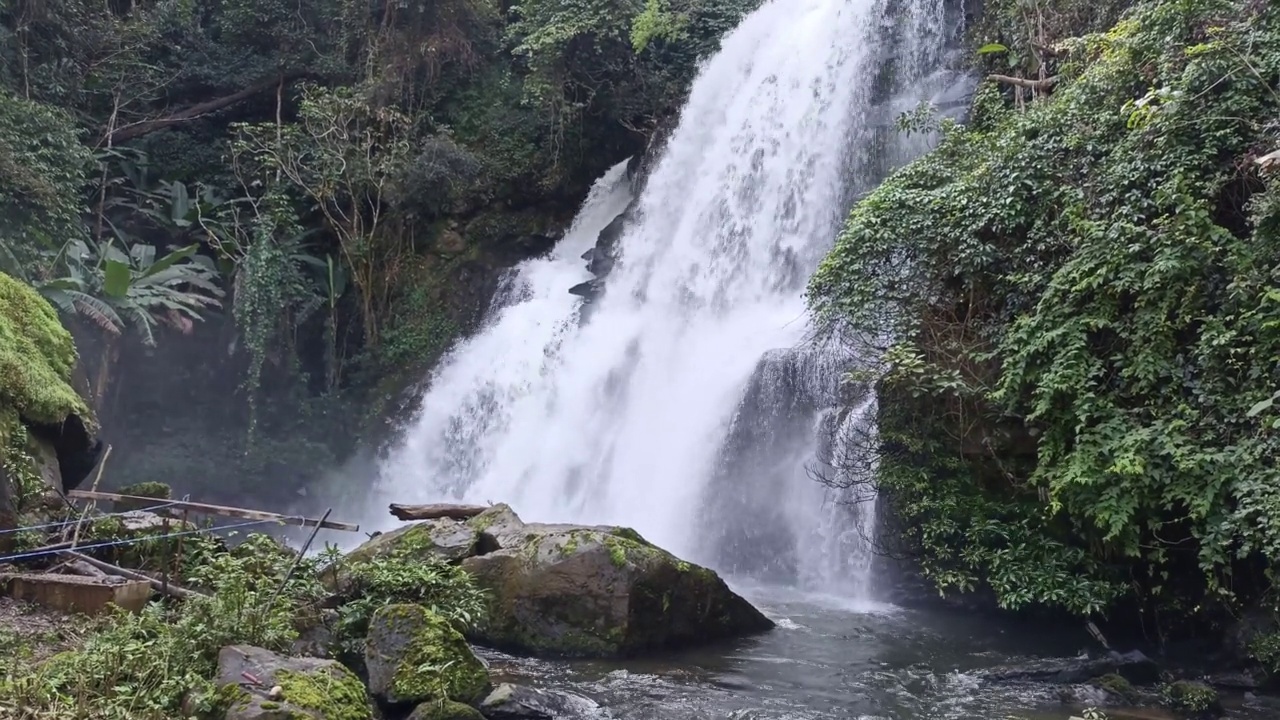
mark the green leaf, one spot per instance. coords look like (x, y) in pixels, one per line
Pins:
(171, 259)
(1263, 405)
(116, 279)
(992, 48)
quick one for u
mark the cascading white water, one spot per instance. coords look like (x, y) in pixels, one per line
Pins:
(646, 413)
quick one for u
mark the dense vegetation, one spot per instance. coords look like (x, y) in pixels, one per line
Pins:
(1077, 301)
(268, 214)
(160, 663)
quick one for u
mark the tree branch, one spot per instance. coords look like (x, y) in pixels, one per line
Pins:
(138, 129)
(1044, 84)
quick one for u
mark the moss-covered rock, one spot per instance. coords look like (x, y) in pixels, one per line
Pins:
(310, 688)
(413, 656)
(445, 710)
(448, 540)
(596, 591)
(37, 357)
(1192, 699)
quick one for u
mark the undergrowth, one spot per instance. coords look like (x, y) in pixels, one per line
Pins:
(160, 664)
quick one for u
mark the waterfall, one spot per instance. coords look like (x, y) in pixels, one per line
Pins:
(689, 403)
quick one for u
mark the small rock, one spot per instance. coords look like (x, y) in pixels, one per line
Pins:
(516, 702)
(413, 655)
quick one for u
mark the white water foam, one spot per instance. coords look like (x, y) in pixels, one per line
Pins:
(630, 417)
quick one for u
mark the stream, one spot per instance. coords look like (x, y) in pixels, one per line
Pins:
(832, 659)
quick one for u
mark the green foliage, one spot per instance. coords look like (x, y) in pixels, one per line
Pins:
(1065, 413)
(43, 169)
(143, 666)
(405, 577)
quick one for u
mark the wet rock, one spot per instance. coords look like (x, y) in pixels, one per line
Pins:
(596, 592)
(1243, 680)
(303, 687)
(413, 656)
(445, 710)
(1194, 700)
(1132, 666)
(516, 702)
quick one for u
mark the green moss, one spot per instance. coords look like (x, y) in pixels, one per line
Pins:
(1191, 697)
(149, 489)
(571, 545)
(437, 663)
(334, 692)
(445, 710)
(37, 357)
(617, 552)
(1116, 684)
(627, 533)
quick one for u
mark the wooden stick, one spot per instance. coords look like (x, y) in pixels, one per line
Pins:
(75, 540)
(435, 512)
(219, 510)
(110, 569)
(1044, 84)
(296, 560)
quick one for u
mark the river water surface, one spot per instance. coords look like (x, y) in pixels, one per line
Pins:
(832, 659)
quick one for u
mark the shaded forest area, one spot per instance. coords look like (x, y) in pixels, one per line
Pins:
(264, 219)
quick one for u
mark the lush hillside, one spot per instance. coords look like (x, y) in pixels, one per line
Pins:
(272, 215)
(1079, 293)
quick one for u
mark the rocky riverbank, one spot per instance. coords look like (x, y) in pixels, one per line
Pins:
(249, 630)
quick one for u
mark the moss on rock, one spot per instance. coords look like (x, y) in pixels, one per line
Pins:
(1195, 699)
(445, 710)
(333, 691)
(414, 655)
(37, 357)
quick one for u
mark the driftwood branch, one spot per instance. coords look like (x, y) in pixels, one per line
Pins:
(1044, 84)
(1270, 160)
(138, 129)
(435, 512)
(176, 506)
(108, 568)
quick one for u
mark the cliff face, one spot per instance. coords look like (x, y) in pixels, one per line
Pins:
(1081, 287)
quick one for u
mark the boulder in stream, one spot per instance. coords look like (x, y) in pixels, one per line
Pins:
(414, 656)
(517, 702)
(582, 591)
(575, 590)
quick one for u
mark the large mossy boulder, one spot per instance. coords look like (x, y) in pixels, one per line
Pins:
(574, 590)
(414, 656)
(46, 429)
(308, 687)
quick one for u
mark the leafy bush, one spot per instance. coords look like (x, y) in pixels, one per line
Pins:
(1082, 297)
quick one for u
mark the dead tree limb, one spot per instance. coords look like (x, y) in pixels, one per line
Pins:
(138, 129)
(110, 569)
(435, 512)
(1044, 84)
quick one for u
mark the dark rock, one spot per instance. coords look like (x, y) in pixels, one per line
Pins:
(310, 687)
(316, 637)
(589, 290)
(413, 656)
(516, 702)
(445, 710)
(596, 592)
(1133, 666)
(1236, 681)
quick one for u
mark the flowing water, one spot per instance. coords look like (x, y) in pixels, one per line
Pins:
(689, 404)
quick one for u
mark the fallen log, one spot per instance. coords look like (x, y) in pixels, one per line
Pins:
(436, 512)
(108, 568)
(1044, 84)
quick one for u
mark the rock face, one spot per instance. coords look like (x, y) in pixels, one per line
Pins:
(414, 656)
(308, 687)
(569, 590)
(516, 702)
